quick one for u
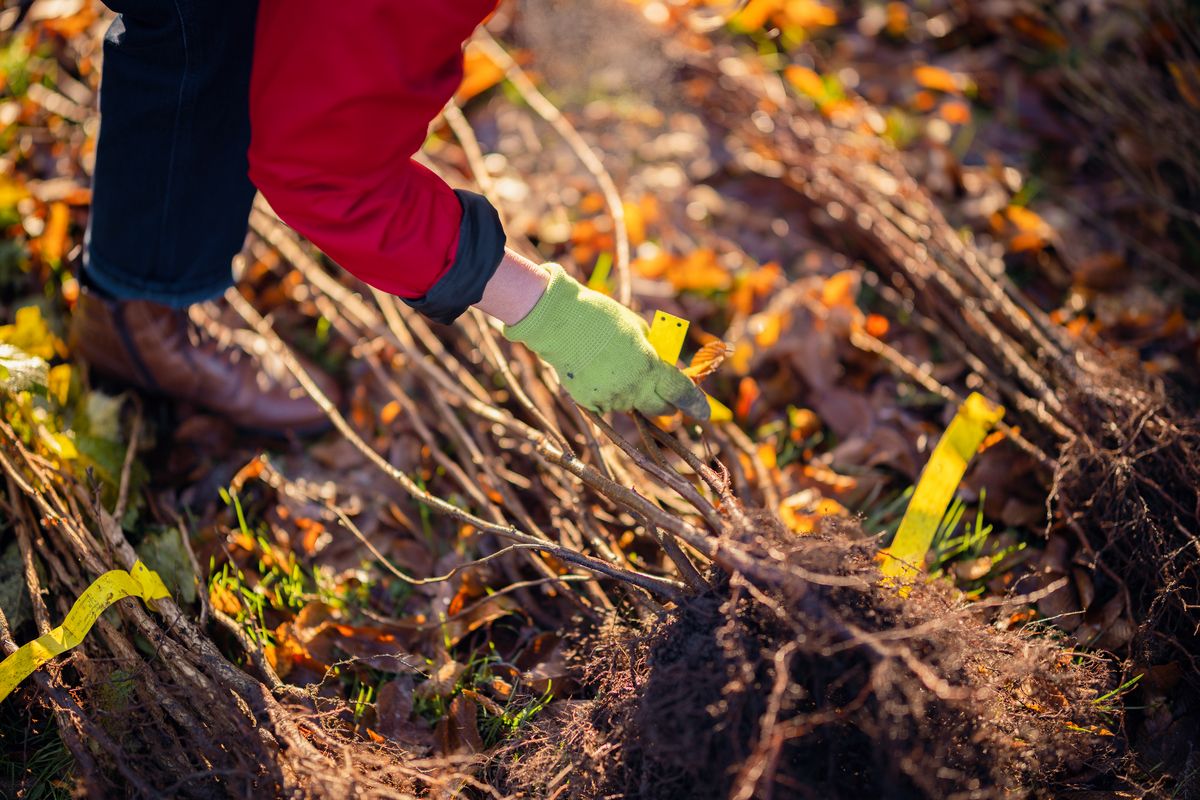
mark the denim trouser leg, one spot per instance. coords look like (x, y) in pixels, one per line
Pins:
(171, 195)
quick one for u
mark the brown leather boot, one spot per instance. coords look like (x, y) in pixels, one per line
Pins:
(196, 358)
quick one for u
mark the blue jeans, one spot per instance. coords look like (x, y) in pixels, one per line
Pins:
(171, 194)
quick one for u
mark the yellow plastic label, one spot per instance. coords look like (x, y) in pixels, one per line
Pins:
(718, 411)
(106, 590)
(939, 480)
(667, 335)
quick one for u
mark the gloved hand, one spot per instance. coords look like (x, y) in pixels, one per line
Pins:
(601, 354)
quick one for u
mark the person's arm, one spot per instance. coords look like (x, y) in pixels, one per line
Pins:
(340, 99)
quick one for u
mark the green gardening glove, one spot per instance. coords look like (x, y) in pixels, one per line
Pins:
(600, 351)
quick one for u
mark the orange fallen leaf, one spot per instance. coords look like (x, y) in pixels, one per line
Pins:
(809, 14)
(1187, 82)
(592, 203)
(310, 534)
(956, 112)
(288, 650)
(840, 290)
(877, 325)
(828, 478)
(756, 14)
(635, 223)
(1040, 32)
(1026, 242)
(801, 517)
(71, 25)
(739, 362)
(752, 285)
(804, 422)
(766, 328)
(992, 439)
(480, 73)
(251, 471)
(388, 414)
(699, 272)
(52, 244)
(70, 291)
(936, 78)
(224, 600)
(654, 266)
(1028, 231)
(924, 101)
(768, 456)
(897, 19)
(799, 14)
(748, 392)
(806, 81)
(1026, 220)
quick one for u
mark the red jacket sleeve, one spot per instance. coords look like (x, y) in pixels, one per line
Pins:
(341, 98)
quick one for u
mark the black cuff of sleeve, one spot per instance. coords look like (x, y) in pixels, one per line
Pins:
(480, 250)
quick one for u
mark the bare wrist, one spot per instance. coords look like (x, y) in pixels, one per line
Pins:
(514, 289)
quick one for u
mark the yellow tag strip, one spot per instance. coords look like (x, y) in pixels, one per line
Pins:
(667, 335)
(939, 480)
(106, 590)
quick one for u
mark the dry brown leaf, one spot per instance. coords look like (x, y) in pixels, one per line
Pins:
(338, 455)
(1102, 271)
(973, 569)
(376, 648)
(394, 714)
(458, 733)
(1039, 31)
(846, 412)
(543, 665)
(478, 614)
(707, 360)
(442, 682)
(1061, 606)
